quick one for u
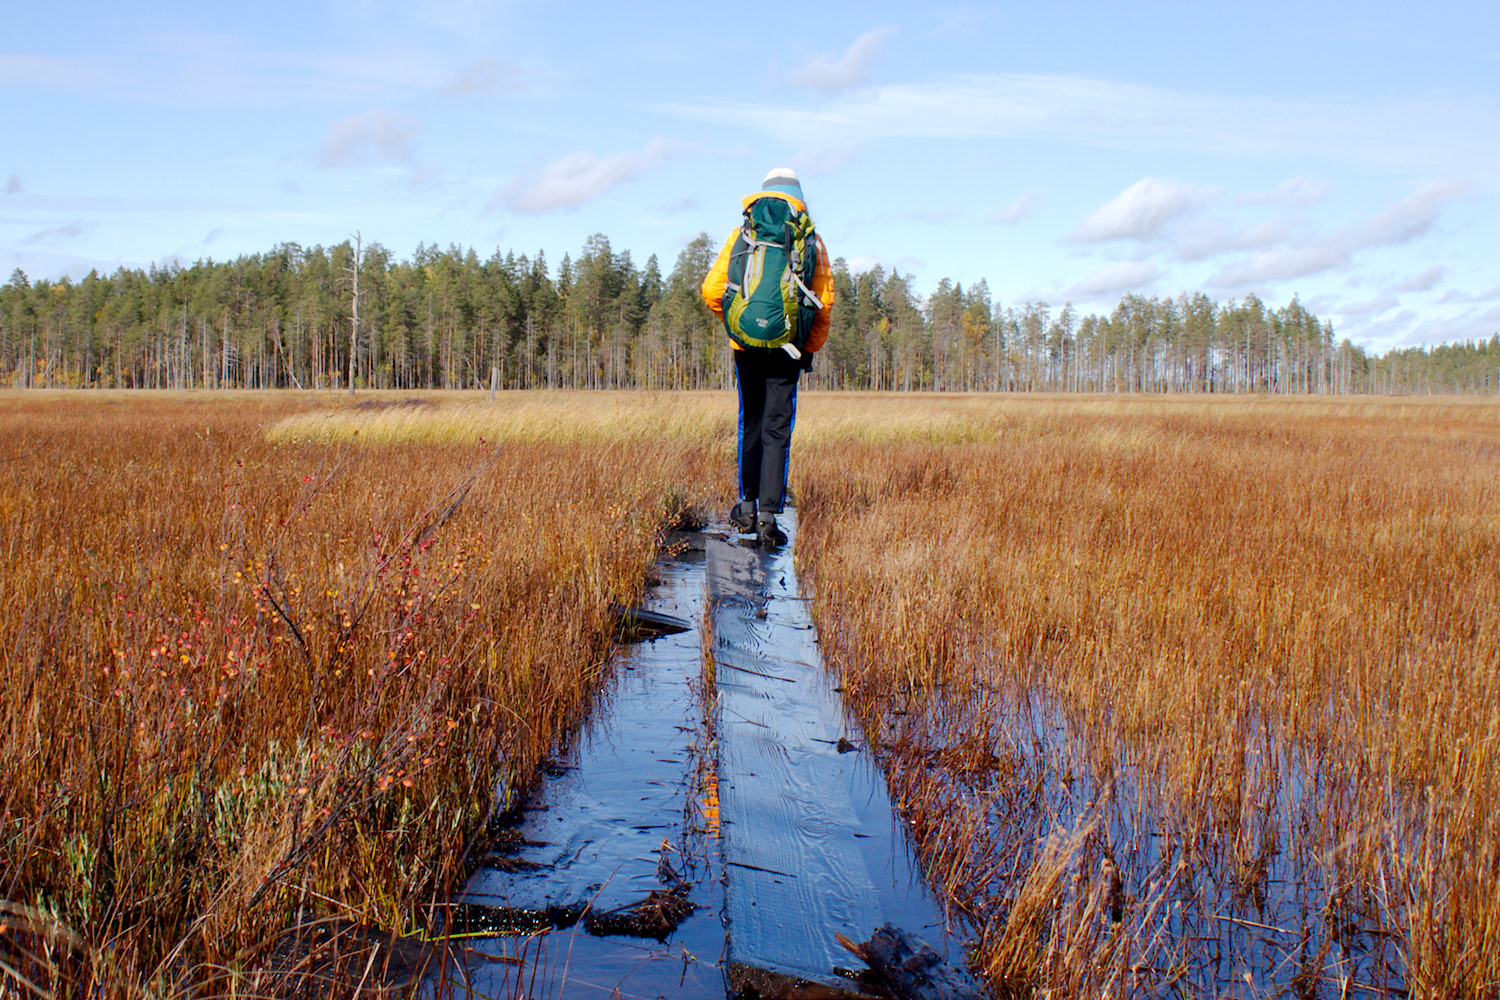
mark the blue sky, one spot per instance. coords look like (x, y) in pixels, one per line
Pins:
(1348, 153)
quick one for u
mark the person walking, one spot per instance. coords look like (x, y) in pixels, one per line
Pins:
(772, 286)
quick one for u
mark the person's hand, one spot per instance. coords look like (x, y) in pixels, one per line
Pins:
(805, 362)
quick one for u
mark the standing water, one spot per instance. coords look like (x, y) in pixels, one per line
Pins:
(708, 833)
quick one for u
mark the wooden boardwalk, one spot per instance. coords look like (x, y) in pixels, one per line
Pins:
(790, 842)
(811, 846)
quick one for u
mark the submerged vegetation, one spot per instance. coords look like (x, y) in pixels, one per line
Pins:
(1179, 694)
(1187, 696)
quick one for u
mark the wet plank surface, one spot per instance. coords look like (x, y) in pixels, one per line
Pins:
(616, 817)
(742, 802)
(811, 846)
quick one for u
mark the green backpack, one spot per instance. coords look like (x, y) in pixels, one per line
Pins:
(768, 299)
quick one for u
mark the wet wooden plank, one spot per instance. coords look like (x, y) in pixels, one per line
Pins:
(811, 848)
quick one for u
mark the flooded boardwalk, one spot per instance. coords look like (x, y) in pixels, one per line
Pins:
(811, 846)
(709, 832)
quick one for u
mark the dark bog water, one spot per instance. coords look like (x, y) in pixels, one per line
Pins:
(699, 843)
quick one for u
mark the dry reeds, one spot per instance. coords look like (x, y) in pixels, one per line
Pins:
(1181, 695)
(249, 683)
(1184, 693)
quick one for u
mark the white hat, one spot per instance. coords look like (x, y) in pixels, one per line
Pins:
(783, 179)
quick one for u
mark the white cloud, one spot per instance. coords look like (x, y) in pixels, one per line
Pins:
(1455, 296)
(848, 70)
(1411, 216)
(375, 136)
(1448, 132)
(1422, 282)
(1202, 242)
(1115, 278)
(13, 185)
(1142, 211)
(1298, 191)
(1009, 215)
(1401, 222)
(581, 177)
(1282, 265)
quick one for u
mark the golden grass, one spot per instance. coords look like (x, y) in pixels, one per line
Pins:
(247, 682)
(1158, 680)
(536, 417)
(1239, 661)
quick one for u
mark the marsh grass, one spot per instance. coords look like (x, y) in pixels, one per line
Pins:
(1176, 691)
(251, 683)
(690, 419)
(1183, 695)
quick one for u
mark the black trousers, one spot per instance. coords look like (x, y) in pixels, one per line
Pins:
(767, 381)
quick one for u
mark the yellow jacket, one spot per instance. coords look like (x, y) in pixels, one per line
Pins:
(822, 283)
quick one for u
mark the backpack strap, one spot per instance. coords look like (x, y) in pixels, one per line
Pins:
(812, 299)
(794, 269)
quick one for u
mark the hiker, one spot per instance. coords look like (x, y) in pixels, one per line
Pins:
(772, 285)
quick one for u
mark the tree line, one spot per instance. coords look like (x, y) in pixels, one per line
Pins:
(352, 316)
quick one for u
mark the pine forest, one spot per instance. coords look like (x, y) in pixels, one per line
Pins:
(352, 316)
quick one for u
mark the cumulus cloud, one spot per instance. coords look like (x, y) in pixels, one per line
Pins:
(1298, 191)
(13, 185)
(1401, 222)
(1115, 278)
(1204, 241)
(1411, 216)
(581, 177)
(376, 136)
(848, 70)
(484, 76)
(1422, 282)
(1142, 211)
(1009, 215)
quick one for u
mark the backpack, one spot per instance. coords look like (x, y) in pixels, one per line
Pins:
(768, 299)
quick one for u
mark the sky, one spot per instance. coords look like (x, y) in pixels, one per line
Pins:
(1346, 153)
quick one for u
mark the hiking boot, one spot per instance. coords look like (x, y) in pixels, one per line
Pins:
(742, 516)
(767, 535)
